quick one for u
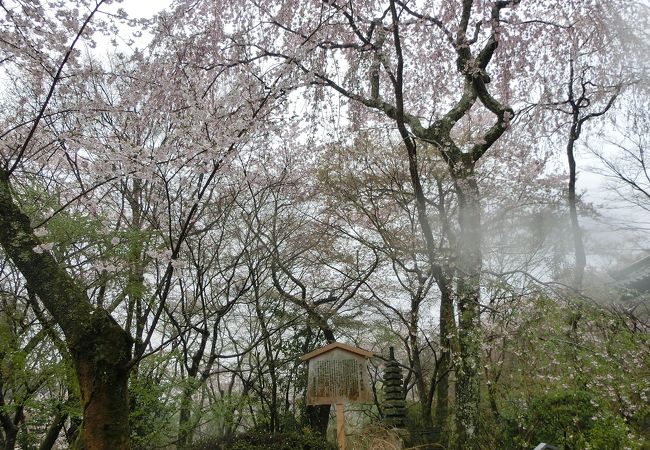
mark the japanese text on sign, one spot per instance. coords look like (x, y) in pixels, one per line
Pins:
(336, 381)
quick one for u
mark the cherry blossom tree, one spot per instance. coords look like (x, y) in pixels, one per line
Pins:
(104, 126)
(41, 48)
(588, 84)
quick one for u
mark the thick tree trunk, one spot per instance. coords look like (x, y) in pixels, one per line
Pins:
(99, 347)
(101, 362)
(468, 299)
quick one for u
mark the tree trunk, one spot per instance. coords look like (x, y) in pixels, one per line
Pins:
(193, 382)
(99, 347)
(423, 390)
(447, 329)
(273, 426)
(468, 300)
(185, 429)
(10, 439)
(9, 426)
(101, 362)
(416, 363)
(317, 418)
(53, 431)
(578, 245)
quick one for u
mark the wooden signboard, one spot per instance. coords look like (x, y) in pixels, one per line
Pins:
(337, 374)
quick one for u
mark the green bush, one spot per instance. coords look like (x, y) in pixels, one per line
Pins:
(257, 440)
(572, 420)
(561, 418)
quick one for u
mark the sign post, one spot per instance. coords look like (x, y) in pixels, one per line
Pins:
(340, 426)
(338, 375)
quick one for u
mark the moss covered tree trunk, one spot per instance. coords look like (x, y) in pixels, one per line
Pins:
(99, 347)
(468, 300)
(101, 362)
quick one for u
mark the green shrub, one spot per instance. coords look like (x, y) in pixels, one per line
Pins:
(257, 440)
(572, 420)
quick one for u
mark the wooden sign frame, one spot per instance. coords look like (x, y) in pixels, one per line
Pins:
(338, 374)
